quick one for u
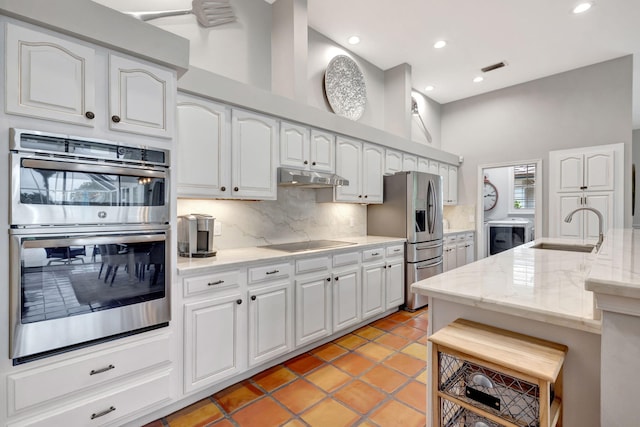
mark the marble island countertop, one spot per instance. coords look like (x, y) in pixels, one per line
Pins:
(539, 284)
(234, 257)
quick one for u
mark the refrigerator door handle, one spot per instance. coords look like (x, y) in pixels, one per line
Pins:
(431, 205)
(429, 265)
(429, 246)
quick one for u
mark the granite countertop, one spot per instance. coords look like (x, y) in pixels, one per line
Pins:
(540, 284)
(235, 257)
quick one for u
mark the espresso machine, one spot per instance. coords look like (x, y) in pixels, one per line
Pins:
(195, 236)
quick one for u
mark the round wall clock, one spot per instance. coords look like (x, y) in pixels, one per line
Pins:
(490, 195)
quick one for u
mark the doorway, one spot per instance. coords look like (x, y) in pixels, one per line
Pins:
(508, 192)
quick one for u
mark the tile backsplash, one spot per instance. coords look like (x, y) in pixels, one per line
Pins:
(295, 216)
(460, 216)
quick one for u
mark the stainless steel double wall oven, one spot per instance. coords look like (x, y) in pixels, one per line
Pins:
(89, 242)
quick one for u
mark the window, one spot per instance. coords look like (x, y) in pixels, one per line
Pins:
(522, 196)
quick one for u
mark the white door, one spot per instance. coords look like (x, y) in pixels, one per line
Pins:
(394, 282)
(254, 155)
(372, 173)
(349, 166)
(409, 162)
(211, 347)
(393, 162)
(373, 289)
(204, 156)
(313, 309)
(598, 170)
(142, 97)
(269, 322)
(346, 299)
(294, 145)
(49, 77)
(323, 151)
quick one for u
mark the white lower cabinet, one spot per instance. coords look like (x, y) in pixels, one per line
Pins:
(346, 298)
(270, 321)
(214, 331)
(313, 308)
(373, 276)
(394, 277)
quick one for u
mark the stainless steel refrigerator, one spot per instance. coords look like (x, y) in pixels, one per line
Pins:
(412, 209)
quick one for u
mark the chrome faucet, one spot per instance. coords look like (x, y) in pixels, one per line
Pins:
(569, 217)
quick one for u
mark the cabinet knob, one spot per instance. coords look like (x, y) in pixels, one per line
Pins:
(306, 162)
(313, 163)
(365, 196)
(115, 119)
(236, 189)
(328, 279)
(253, 297)
(89, 115)
(337, 278)
(223, 188)
(360, 196)
(239, 301)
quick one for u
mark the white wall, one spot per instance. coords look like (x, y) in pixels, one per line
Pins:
(583, 107)
(636, 161)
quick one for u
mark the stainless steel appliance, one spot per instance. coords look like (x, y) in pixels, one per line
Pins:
(88, 244)
(508, 233)
(412, 209)
(195, 236)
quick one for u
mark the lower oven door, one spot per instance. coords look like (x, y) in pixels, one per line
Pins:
(417, 271)
(74, 287)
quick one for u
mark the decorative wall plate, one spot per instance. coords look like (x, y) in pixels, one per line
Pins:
(345, 88)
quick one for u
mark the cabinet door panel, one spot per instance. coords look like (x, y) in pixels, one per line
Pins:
(567, 203)
(394, 282)
(409, 162)
(142, 96)
(604, 204)
(323, 151)
(349, 166)
(49, 77)
(294, 145)
(434, 167)
(313, 309)
(269, 322)
(373, 164)
(393, 162)
(598, 170)
(570, 172)
(372, 290)
(204, 143)
(423, 164)
(254, 156)
(346, 299)
(452, 185)
(211, 330)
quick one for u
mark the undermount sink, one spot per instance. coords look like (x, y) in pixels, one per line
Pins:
(564, 247)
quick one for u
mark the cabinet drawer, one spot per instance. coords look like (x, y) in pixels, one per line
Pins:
(450, 238)
(312, 264)
(372, 254)
(346, 258)
(109, 407)
(269, 272)
(455, 415)
(211, 282)
(395, 250)
(468, 237)
(461, 237)
(39, 385)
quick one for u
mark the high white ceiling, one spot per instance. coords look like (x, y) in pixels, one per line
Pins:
(535, 38)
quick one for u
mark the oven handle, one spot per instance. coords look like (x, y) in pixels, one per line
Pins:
(100, 240)
(90, 168)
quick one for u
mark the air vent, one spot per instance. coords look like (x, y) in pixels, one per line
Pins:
(493, 67)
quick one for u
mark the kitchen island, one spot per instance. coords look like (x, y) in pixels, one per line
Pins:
(537, 292)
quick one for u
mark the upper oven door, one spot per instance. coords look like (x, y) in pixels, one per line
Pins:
(46, 190)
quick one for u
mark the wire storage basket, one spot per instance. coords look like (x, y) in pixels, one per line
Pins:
(505, 396)
(456, 416)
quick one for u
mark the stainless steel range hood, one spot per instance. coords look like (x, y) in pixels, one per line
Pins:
(309, 179)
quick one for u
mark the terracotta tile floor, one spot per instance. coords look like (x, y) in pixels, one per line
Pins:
(374, 376)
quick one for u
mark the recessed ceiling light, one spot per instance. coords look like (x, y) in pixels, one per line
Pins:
(440, 44)
(478, 79)
(354, 40)
(429, 88)
(582, 7)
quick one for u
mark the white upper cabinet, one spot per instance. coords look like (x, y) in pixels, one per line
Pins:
(434, 167)
(141, 98)
(49, 77)
(372, 172)
(254, 156)
(393, 162)
(423, 164)
(322, 151)
(449, 174)
(409, 162)
(204, 149)
(294, 145)
(349, 166)
(583, 170)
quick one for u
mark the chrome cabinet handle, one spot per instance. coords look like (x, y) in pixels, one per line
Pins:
(101, 370)
(217, 282)
(103, 413)
(273, 272)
